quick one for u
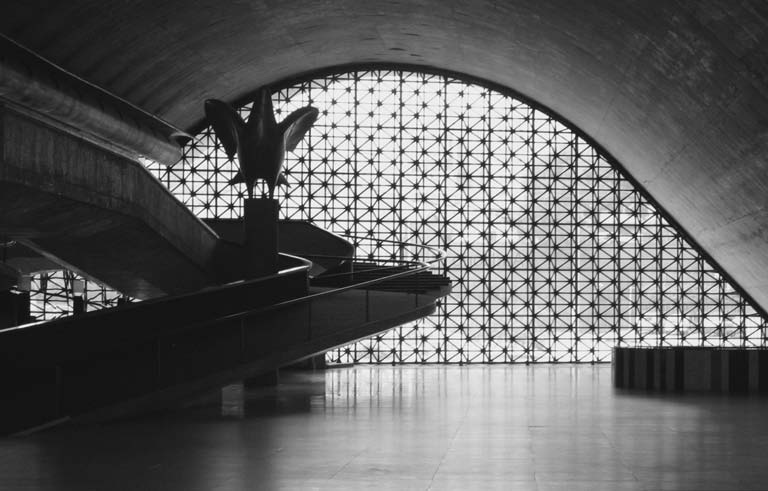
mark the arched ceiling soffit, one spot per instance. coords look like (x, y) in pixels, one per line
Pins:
(675, 90)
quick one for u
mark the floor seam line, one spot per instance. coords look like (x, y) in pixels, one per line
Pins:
(358, 454)
(450, 445)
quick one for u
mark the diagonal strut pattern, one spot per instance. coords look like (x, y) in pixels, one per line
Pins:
(555, 255)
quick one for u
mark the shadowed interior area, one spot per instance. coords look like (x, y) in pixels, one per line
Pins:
(97, 95)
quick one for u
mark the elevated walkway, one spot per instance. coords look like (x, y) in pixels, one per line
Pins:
(69, 203)
(142, 356)
(325, 249)
(372, 276)
(75, 195)
(102, 214)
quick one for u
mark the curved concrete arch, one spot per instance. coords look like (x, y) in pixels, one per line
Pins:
(676, 90)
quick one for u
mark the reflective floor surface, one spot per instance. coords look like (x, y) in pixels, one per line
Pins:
(544, 427)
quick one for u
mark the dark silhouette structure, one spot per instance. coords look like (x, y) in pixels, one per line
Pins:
(676, 92)
(260, 144)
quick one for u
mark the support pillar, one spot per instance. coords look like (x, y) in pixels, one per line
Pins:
(78, 297)
(14, 308)
(261, 236)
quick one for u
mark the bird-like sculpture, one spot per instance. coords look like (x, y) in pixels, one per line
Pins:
(261, 143)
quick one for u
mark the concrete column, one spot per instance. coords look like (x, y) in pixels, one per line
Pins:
(232, 401)
(659, 374)
(725, 371)
(78, 305)
(692, 369)
(641, 369)
(318, 362)
(670, 367)
(617, 366)
(629, 368)
(762, 376)
(78, 297)
(753, 371)
(697, 369)
(739, 371)
(261, 236)
(14, 308)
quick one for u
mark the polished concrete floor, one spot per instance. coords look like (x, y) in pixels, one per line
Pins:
(546, 427)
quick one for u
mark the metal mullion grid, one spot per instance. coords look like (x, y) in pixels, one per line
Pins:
(306, 92)
(355, 164)
(699, 308)
(67, 288)
(742, 323)
(580, 246)
(573, 323)
(658, 294)
(398, 227)
(469, 249)
(443, 315)
(487, 180)
(306, 201)
(581, 257)
(702, 307)
(56, 287)
(386, 168)
(594, 277)
(366, 191)
(529, 228)
(614, 237)
(545, 209)
(450, 326)
(418, 228)
(509, 221)
(328, 167)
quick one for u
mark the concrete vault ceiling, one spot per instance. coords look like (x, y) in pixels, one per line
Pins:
(677, 91)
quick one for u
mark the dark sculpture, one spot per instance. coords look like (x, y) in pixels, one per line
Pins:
(260, 143)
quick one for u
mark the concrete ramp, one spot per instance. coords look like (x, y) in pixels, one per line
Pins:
(141, 356)
(102, 214)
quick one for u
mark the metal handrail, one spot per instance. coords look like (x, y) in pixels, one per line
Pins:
(308, 298)
(437, 253)
(420, 267)
(234, 284)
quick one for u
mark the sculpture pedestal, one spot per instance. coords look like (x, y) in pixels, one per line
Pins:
(261, 236)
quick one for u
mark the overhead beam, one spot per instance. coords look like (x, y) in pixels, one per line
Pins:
(101, 214)
(31, 84)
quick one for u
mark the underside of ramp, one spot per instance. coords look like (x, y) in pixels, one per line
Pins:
(143, 356)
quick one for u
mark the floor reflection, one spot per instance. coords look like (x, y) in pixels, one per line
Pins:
(412, 427)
